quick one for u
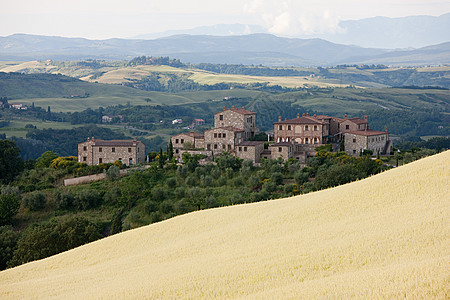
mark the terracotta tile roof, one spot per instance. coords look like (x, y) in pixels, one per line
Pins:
(251, 143)
(301, 120)
(358, 121)
(366, 132)
(280, 144)
(117, 143)
(228, 128)
(191, 134)
(239, 110)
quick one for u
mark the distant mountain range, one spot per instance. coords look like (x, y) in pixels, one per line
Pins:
(377, 32)
(255, 49)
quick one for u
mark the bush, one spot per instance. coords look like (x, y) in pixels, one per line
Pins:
(8, 244)
(113, 196)
(276, 178)
(9, 207)
(301, 177)
(64, 199)
(86, 199)
(113, 172)
(40, 241)
(34, 201)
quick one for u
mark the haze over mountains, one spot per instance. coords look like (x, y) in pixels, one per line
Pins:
(377, 32)
(248, 44)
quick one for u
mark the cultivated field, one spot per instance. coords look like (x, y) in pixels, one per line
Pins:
(383, 237)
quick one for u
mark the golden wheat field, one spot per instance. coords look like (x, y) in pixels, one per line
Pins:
(383, 237)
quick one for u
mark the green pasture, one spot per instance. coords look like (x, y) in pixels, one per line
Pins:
(17, 127)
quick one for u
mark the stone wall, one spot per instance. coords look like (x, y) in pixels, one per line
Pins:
(301, 133)
(250, 151)
(179, 140)
(92, 154)
(284, 150)
(355, 143)
(220, 139)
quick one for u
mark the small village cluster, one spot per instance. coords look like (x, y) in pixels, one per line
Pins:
(234, 129)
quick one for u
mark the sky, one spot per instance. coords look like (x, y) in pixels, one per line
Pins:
(102, 19)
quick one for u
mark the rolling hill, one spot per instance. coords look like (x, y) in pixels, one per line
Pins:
(250, 49)
(383, 237)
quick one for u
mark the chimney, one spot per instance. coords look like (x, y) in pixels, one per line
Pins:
(385, 129)
(88, 139)
(93, 139)
(298, 116)
(315, 115)
(303, 114)
(285, 119)
(366, 118)
(345, 116)
(307, 114)
(224, 108)
(232, 106)
(279, 118)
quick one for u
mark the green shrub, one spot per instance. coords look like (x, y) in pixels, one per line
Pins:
(8, 244)
(9, 206)
(34, 201)
(86, 199)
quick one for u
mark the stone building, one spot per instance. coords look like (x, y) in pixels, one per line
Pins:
(302, 130)
(237, 118)
(188, 141)
(96, 151)
(357, 141)
(285, 150)
(295, 138)
(250, 150)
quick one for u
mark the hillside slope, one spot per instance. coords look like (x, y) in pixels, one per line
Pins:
(385, 236)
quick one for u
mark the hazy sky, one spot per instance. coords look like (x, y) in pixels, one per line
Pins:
(100, 19)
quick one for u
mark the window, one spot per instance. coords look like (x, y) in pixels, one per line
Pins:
(280, 149)
(182, 141)
(129, 150)
(176, 141)
(100, 149)
(315, 140)
(315, 127)
(306, 128)
(120, 158)
(220, 135)
(84, 148)
(347, 127)
(289, 127)
(221, 117)
(130, 161)
(113, 149)
(208, 147)
(354, 140)
(223, 135)
(240, 149)
(245, 149)
(306, 141)
(215, 135)
(215, 146)
(223, 147)
(280, 127)
(84, 158)
(100, 160)
(354, 151)
(176, 151)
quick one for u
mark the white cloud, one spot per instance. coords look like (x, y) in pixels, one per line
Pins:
(292, 18)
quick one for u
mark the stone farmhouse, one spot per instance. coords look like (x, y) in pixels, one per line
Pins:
(96, 151)
(233, 127)
(295, 138)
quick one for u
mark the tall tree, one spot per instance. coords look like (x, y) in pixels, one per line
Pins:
(11, 164)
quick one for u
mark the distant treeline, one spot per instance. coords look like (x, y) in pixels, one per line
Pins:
(250, 70)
